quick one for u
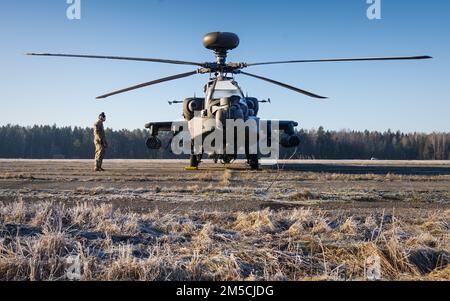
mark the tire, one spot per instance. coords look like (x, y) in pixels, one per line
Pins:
(253, 161)
(227, 159)
(194, 161)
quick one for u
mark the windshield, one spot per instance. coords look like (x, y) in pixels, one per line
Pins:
(225, 93)
(226, 89)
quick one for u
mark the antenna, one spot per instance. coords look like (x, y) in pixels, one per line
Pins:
(174, 102)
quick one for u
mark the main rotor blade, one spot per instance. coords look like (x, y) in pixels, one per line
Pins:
(345, 60)
(154, 82)
(284, 85)
(176, 62)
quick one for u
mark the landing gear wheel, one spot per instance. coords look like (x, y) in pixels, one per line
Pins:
(194, 159)
(194, 162)
(253, 161)
(227, 159)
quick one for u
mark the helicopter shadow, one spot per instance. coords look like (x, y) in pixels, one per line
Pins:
(372, 169)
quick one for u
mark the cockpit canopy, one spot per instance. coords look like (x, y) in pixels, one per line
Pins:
(224, 88)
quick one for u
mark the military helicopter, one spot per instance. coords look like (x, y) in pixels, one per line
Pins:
(224, 99)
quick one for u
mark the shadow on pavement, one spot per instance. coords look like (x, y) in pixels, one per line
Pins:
(379, 170)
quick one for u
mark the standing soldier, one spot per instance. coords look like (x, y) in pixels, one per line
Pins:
(100, 142)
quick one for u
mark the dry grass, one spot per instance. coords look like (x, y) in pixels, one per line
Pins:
(302, 195)
(299, 244)
(226, 178)
(153, 221)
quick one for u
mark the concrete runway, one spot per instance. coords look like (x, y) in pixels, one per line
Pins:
(414, 186)
(350, 167)
(356, 167)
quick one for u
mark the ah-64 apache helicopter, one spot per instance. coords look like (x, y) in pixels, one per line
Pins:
(224, 99)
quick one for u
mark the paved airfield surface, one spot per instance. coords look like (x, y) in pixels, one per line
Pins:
(412, 187)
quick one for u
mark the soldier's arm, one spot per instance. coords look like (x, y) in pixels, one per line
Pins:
(104, 142)
(97, 134)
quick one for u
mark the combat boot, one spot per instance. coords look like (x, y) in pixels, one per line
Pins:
(100, 165)
(97, 166)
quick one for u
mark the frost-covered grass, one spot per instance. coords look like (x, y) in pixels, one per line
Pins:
(36, 241)
(219, 223)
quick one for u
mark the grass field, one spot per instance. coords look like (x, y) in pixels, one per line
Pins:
(151, 220)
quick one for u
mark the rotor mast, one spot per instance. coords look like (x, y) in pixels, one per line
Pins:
(221, 56)
(221, 43)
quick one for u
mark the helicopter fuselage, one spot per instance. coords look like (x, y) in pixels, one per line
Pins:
(224, 101)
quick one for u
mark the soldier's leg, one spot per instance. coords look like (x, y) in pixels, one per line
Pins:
(97, 157)
(101, 157)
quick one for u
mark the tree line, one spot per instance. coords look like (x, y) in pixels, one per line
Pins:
(51, 142)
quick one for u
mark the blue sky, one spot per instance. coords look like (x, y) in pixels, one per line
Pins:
(408, 96)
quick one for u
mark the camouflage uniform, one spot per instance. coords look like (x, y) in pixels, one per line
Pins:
(100, 144)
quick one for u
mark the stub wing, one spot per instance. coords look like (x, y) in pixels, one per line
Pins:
(288, 139)
(288, 126)
(169, 126)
